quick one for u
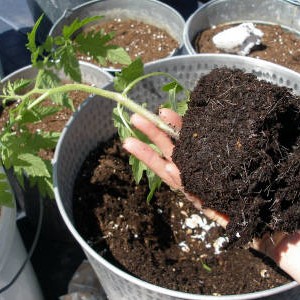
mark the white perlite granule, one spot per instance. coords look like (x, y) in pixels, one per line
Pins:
(238, 39)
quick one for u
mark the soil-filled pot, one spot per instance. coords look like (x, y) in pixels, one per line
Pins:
(29, 198)
(92, 124)
(277, 20)
(136, 38)
(13, 255)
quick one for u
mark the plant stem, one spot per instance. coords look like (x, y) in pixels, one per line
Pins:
(120, 98)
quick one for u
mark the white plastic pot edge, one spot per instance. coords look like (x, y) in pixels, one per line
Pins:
(139, 282)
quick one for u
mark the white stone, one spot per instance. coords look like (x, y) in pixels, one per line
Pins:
(219, 242)
(238, 39)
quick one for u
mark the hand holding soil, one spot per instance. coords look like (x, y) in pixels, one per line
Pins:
(163, 165)
(284, 249)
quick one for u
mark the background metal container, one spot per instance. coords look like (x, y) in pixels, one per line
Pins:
(151, 12)
(93, 124)
(215, 12)
(29, 199)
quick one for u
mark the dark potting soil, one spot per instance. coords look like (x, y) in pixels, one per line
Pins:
(167, 242)
(138, 39)
(239, 151)
(278, 45)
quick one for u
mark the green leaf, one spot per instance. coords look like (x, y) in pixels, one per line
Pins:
(6, 196)
(38, 113)
(118, 55)
(16, 87)
(94, 44)
(32, 165)
(69, 30)
(181, 106)
(173, 88)
(154, 183)
(137, 167)
(69, 62)
(45, 140)
(122, 122)
(31, 36)
(128, 74)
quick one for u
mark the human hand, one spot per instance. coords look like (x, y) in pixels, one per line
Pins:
(282, 248)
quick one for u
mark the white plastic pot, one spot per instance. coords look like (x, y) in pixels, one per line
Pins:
(92, 124)
(12, 256)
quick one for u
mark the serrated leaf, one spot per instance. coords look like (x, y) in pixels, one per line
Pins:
(128, 74)
(118, 55)
(46, 140)
(32, 165)
(69, 30)
(31, 36)
(68, 61)
(94, 44)
(16, 87)
(38, 113)
(49, 43)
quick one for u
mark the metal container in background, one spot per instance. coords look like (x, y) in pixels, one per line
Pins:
(28, 198)
(215, 12)
(151, 12)
(92, 124)
(13, 255)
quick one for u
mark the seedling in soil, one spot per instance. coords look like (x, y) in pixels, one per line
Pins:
(20, 148)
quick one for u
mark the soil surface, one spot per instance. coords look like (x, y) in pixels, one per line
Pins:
(239, 151)
(278, 45)
(138, 39)
(168, 242)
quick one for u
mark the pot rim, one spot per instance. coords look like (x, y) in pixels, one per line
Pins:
(188, 43)
(70, 11)
(123, 274)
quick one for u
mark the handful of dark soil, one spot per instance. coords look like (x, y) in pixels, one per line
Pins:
(239, 152)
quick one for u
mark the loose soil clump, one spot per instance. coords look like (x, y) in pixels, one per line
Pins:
(279, 45)
(168, 242)
(239, 152)
(138, 39)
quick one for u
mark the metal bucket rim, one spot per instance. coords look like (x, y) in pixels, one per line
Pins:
(70, 11)
(123, 274)
(187, 42)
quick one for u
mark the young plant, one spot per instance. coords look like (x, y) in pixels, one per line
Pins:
(20, 148)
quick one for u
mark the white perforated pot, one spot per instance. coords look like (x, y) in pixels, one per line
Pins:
(29, 198)
(215, 12)
(151, 12)
(92, 124)
(13, 255)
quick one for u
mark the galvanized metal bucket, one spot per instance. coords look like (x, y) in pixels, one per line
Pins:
(29, 199)
(215, 12)
(151, 12)
(93, 124)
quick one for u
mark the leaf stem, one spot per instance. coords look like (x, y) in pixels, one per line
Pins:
(120, 98)
(134, 82)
